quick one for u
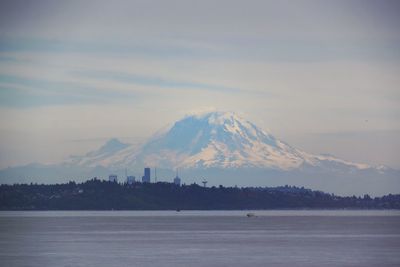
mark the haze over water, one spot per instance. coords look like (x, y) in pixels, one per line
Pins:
(200, 238)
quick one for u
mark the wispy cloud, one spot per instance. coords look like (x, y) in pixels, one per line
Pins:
(232, 48)
(148, 80)
(25, 92)
(164, 49)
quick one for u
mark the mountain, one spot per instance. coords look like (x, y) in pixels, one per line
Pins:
(104, 156)
(223, 148)
(212, 140)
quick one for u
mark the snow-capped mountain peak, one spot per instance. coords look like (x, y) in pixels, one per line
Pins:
(211, 140)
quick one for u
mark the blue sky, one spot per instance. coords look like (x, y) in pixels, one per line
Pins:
(321, 75)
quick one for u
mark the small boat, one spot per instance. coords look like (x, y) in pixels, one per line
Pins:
(250, 214)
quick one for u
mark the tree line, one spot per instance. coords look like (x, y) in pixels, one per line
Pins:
(103, 195)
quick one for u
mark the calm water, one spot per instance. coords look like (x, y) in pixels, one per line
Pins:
(228, 238)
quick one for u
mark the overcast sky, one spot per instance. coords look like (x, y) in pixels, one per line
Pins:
(323, 76)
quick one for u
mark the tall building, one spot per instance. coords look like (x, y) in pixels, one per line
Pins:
(146, 176)
(130, 179)
(113, 178)
(177, 180)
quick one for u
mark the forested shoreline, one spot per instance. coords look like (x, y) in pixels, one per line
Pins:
(103, 195)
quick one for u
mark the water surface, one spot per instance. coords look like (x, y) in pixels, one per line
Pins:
(200, 238)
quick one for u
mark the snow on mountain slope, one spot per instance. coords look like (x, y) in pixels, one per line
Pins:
(211, 140)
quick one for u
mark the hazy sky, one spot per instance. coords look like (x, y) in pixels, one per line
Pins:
(323, 76)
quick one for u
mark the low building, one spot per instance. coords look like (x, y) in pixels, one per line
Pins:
(130, 179)
(113, 178)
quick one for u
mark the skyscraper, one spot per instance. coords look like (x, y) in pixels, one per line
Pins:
(146, 176)
(177, 180)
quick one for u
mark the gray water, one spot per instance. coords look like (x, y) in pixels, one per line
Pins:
(200, 238)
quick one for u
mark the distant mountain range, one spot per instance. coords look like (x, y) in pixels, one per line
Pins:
(223, 148)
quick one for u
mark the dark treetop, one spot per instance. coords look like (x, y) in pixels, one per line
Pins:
(101, 195)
